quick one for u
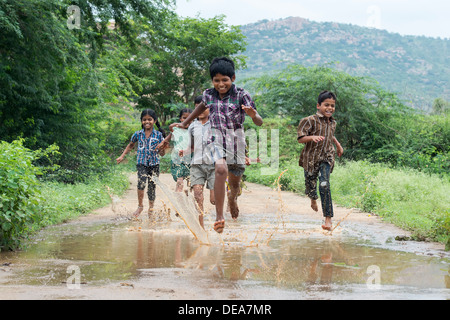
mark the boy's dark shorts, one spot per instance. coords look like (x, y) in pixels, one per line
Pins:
(236, 169)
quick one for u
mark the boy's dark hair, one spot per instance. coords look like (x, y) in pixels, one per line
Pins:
(324, 95)
(152, 114)
(198, 99)
(223, 66)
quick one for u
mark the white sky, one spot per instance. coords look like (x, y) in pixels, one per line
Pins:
(430, 18)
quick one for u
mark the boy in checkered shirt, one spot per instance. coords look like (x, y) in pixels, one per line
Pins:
(228, 107)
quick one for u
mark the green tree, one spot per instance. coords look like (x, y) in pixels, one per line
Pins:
(55, 83)
(373, 124)
(363, 109)
(440, 106)
(175, 62)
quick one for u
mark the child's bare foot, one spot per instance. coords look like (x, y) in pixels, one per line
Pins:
(234, 209)
(314, 205)
(328, 224)
(150, 213)
(138, 212)
(219, 226)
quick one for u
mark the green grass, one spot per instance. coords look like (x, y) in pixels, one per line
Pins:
(69, 201)
(412, 200)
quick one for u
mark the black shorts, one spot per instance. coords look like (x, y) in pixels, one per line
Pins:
(144, 173)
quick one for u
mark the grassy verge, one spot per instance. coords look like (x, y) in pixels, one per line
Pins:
(68, 201)
(412, 200)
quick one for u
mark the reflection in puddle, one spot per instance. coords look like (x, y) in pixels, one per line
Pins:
(299, 260)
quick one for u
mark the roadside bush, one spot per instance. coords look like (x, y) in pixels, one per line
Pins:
(21, 201)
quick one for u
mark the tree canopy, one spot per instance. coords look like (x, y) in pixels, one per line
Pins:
(61, 85)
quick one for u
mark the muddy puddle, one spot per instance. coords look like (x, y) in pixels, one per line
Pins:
(257, 257)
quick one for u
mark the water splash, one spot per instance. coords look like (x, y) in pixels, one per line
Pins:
(185, 206)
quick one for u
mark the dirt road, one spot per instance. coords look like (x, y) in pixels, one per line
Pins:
(175, 282)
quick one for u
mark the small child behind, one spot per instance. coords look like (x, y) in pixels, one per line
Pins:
(317, 157)
(179, 165)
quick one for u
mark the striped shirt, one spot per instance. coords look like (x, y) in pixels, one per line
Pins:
(226, 115)
(314, 153)
(146, 153)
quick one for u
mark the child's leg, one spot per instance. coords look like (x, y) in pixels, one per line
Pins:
(212, 198)
(219, 192)
(150, 208)
(234, 183)
(325, 194)
(151, 192)
(141, 174)
(311, 189)
(235, 173)
(198, 196)
(140, 194)
(179, 186)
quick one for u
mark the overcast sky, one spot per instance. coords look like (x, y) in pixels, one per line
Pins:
(408, 17)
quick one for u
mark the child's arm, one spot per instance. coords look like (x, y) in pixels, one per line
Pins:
(164, 144)
(339, 149)
(129, 147)
(253, 114)
(306, 139)
(248, 161)
(197, 111)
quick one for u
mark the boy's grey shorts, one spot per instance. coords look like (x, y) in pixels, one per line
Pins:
(200, 173)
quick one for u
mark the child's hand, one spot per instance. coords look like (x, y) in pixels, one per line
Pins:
(340, 150)
(163, 145)
(249, 111)
(161, 152)
(119, 159)
(317, 139)
(176, 125)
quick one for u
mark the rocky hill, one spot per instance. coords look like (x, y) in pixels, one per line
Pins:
(418, 68)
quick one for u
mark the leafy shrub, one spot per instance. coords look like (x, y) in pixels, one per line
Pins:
(21, 202)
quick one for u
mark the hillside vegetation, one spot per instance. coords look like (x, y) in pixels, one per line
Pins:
(417, 68)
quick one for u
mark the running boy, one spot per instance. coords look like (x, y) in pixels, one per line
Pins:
(202, 164)
(317, 157)
(228, 106)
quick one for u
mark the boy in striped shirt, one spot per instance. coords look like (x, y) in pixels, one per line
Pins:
(317, 157)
